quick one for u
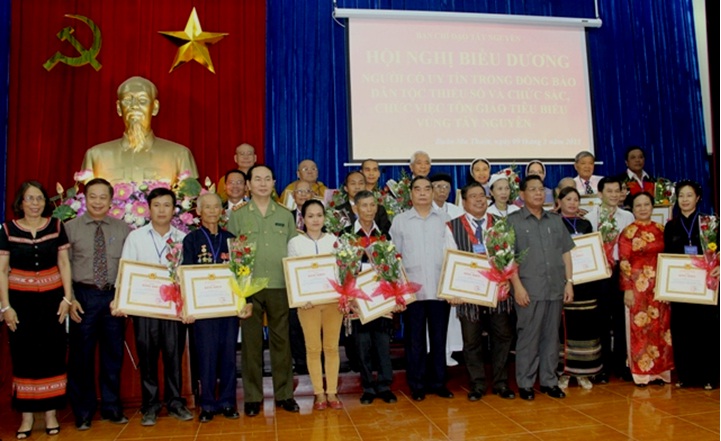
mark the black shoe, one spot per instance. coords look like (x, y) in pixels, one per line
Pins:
(367, 398)
(251, 409)
(388, 396)
(475, 395)
(115, 417)
(288, 405)
(301, 369)
(526, 393)
(230, 412)
(553, 391)
(83, 424)
(150, 417)
(601, 378)
(504, 392)
(657, 382)
(443, 392)
(205, 416)
(180, 413)
(418, 395)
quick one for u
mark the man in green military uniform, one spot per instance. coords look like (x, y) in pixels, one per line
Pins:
(270, 226)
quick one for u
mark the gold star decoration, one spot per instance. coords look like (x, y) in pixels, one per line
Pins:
(192, 43)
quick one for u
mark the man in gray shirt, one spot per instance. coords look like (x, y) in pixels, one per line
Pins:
(96, 243)
(540, 287)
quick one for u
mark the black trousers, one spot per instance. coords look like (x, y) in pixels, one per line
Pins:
(215, 340)
(100, 329)
(373, 342)
(153, 337)
(432, 314)
(612, 325)
(501, 334)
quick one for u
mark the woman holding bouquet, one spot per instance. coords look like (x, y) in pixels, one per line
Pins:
(582, 346)
(648, 322)
(321, 324)
(694, 327)
(35, 293)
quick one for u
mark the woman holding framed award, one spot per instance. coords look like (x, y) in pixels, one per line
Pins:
(694, 327)
(582, 345)
(648, 321)
(322, 323)
(36, 294)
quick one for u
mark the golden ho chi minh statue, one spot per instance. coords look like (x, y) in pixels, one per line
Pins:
(139, 156)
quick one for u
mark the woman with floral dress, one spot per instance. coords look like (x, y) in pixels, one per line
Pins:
(648, 321)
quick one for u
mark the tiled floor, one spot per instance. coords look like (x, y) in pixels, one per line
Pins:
(616, 411)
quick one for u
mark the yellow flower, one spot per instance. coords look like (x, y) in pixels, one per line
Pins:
(712, 247)
(642, 283)
(652, 351)
(638, 244)
(630, 231)
(667, 337)
(653, 312)
(645, 363)
(648, 271)
(641, 319)
(625, 267)
(648, 237)
(243, 271)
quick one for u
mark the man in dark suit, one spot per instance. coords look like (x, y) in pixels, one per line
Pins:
(355, 182)
(469, 233)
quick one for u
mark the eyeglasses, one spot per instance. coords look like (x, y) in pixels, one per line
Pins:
(238, 182)
(31, 199)
(309, 169)
(442, 187)
(303, 191)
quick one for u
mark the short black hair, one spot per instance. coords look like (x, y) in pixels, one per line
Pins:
(631, 148)
(633, 198)
(256, 166)
(609, 180)
(235, 170)
(20, 194)
(369, 160)
(100, 181)
(565, 190)
(310, 202)
(418, 178)
(159, 192)
(473, 184)
(438, 177)
(345, 182)
(362, 195)
(527, 178)
(688, 183)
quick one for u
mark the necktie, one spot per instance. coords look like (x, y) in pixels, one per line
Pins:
(299, 221)
(479, 229)
(589, 189)
(100, 258)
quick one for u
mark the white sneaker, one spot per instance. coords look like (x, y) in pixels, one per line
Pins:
(450, 361)
(563, 381)
(584, 382)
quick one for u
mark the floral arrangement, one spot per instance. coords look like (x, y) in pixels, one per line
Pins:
(130, 200)
(396, 197)
(348, 255)
(664, 193)
(335, 220)
(241, 262)
(171, 292)
(608, 228)
(514, 182)
(387, 263)
(500, 243)
(337, 198)
(708, 235)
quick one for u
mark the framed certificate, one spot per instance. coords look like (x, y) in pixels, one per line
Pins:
(679, 280)
(377, 306)
(461, 277)
(206, 291)
(661, 213)
(589, 259)
(589, 201)
(137, 290)
(307, 279)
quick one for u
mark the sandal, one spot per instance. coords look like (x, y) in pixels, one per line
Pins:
(52, 431)
(23, 435)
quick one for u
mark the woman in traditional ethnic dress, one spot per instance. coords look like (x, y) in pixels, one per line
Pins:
(695, 328)
(582, 343)
(500, 187)
(648, 322)
(321, 323)
(35, 291)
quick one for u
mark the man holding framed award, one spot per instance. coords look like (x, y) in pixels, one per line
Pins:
(214, 338)
(154, 335)
(468, 232)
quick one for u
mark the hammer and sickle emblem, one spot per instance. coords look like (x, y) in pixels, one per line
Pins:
(86, 55)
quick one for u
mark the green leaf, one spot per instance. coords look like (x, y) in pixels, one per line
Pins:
(64, 212)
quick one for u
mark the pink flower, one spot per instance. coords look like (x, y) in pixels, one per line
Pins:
(83, 175)
(184, 175)
(152, 185)
(117, 211)
(186, 218)
(123, 191)
(140, 209)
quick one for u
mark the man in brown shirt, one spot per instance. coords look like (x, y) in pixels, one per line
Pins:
(96, 243)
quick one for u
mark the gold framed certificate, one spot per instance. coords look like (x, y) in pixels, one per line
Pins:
(661, 213)
(679, 280)
(589, 259)
(589, 201)
(206, 291)
(461, 277)
(369, 310)
(307, 279)
(137, 290)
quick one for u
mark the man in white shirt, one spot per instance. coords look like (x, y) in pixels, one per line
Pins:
(586, 181)
(152, 336)
(420, 164)
(442, 186)
(610, 304)
(235, 190)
